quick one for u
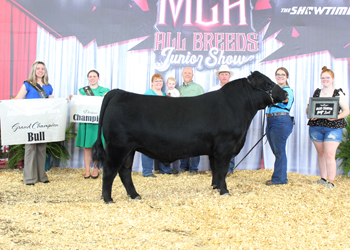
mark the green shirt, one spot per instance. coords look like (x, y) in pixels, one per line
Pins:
(191, 89)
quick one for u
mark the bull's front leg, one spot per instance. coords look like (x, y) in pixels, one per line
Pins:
(214, 181)
(219, 170)
(125, 177)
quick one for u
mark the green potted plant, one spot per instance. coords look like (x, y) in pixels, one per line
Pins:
(56, 150)
(343, 152)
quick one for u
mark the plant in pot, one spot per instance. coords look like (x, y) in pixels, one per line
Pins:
(56, 150)
(343, 152)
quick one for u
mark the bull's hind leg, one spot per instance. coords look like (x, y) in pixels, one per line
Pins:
(111, 167)
(125, 177)
(110, 170)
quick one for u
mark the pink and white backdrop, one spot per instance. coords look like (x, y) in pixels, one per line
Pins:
(128, 41)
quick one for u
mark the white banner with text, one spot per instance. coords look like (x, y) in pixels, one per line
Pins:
(85, 109)
(31, 121)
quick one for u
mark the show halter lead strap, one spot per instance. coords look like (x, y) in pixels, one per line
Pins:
(255, 143)
(88, 91)
(40, 91)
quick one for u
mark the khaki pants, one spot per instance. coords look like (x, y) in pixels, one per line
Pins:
(34, 163)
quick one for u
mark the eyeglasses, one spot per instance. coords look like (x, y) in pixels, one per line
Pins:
(283, 75)
(326, 78)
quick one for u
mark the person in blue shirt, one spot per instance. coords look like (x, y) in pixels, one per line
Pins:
(147, 163)
(279, 127)
(37, 86)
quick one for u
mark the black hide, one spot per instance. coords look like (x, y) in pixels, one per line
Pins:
(168, 129)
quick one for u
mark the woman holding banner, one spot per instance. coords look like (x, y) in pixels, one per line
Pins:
(87, 132)
(37, 86)
(326, 134)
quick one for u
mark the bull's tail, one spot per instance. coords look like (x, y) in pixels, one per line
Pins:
(98, 153)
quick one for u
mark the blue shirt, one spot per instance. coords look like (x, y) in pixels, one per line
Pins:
(33, 94)
(151, 92)
(283, 106)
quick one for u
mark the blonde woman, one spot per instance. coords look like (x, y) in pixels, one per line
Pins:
(37, 86)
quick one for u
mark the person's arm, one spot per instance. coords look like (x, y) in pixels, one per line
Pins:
(344, 107)
(21, 93)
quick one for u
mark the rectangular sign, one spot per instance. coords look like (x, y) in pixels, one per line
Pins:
(323, 108)
(85, 109)
(29, 121)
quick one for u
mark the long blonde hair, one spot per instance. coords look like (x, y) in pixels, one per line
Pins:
(32, 77)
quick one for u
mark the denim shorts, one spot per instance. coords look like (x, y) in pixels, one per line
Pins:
(322, 134)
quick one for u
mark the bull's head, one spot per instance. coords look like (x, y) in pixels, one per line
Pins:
(261, 82)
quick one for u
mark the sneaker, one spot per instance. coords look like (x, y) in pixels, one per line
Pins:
(173, 171)
(193, 173)
(269, 183)
(330, 185)
(151, 175)
(322, 181)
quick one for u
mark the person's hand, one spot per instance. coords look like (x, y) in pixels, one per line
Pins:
(70, 97)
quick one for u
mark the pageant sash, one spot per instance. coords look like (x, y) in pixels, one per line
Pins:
(85, 109)
(40, 91)
(29, 121)
(88, 91)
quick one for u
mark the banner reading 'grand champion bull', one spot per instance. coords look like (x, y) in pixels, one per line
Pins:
(33, 121)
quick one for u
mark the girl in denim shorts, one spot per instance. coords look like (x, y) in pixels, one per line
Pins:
(326, 134)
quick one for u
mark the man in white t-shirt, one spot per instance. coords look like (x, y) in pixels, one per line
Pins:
(224, 74)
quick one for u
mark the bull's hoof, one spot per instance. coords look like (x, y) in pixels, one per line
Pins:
(109, 202)
(215, 187)
(137, 198)
(226, 194)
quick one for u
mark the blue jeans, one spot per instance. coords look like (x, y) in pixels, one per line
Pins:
(147, 166)
(193, 166)
(231, 165)
(278, 130)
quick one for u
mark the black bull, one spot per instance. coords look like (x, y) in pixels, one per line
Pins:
(168, 129)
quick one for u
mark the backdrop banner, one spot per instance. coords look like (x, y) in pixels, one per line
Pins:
(85, 109)
(33, 121)
(128, 42)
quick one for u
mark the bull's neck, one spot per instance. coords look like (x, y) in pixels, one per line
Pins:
(250, 99)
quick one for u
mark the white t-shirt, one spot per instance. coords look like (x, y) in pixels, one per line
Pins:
(173, 93)
(215, 87)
